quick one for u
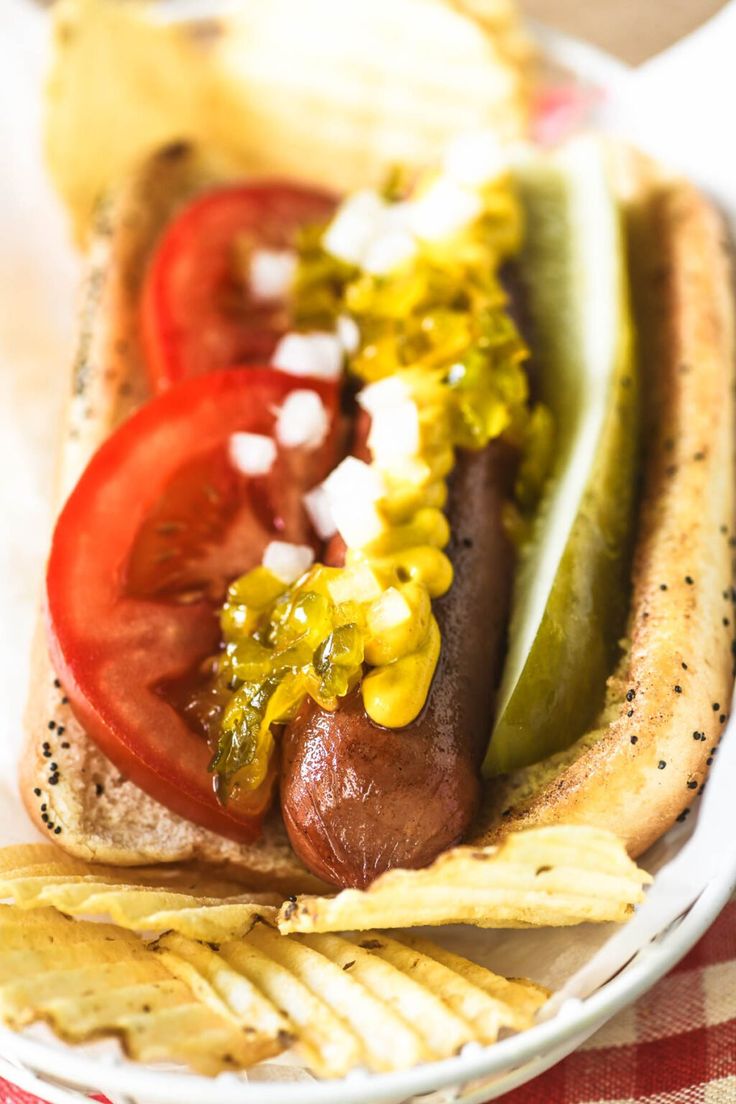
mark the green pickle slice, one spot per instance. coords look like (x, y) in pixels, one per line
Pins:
(572, 586)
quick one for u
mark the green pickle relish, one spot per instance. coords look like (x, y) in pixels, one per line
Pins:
(439, 327)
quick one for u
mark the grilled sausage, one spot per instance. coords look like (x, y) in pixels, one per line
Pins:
(358, 798)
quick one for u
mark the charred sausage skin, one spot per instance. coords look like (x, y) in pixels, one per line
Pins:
(358, 799)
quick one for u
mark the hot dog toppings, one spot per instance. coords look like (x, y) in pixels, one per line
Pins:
(408, 288)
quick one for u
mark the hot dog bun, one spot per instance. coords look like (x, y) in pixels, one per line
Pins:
(102, 816)
(669, 699)
(681, 277)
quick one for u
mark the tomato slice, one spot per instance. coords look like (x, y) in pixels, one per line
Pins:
(198, 314)
(157, 526)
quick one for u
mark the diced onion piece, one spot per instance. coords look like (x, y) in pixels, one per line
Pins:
(388, 251)
(355, 584)
(357, 222)
(319, 355)
(444, 209)
(317, 504)
(287, 561)
(348, 333)
(271, 273)
(252, 453)
(383, 393)
(394, 433)
(302, 421)
(353, 489)
(475, 158)
(410, 470)
(388, 611)
(354, 477)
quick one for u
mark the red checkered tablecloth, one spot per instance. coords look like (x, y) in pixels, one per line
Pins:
(677, 1045)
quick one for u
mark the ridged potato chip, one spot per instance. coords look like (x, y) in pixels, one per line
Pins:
(39, 876)
(355, 1000)
(46, 860)
(341, 1001)
(386, 81)
(220, 986)
(89, 981)
(553, 876)
(484, 999)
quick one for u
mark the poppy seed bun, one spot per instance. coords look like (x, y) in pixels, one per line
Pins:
(103, 817)
(669, 699)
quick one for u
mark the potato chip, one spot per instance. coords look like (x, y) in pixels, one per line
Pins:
(92, 980)
(145, 909)
(443, 1032)
(22, 856)
(356, 999)
(490, 1006)
(222, 988)
(45, 860)
(140, 899)
(561, 875)
(239, 84)
(385, 1040)
(322, 1039)
(521, 997)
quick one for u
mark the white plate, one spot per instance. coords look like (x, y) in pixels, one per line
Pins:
(690, 892)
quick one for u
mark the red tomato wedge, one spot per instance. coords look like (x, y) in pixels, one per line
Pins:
(144, 548)
(198, 313)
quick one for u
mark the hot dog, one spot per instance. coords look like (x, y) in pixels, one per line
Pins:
(358, 798)
(359, 795)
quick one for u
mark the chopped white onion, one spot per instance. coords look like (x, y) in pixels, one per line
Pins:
(348, 333)
(356, 583)
(317, 504)
(475, 158)
(356, 223)
(354, 477)
(271, 273)
(371, 233)
(287, 561)
(385, 392)
(353, 489)
(388, 251)
(387, 611)
(394, 432)
(302, 421)
(443, 210)
(252, 453)
(317, 354)
(410, 469)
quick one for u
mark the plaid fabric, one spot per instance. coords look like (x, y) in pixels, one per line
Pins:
(677, 1045)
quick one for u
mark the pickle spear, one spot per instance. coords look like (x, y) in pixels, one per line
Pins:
(572, 586)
